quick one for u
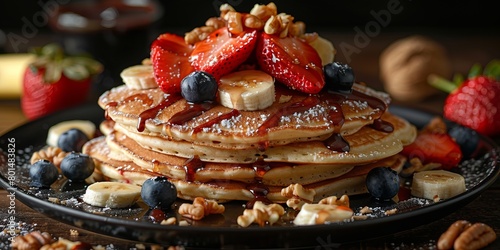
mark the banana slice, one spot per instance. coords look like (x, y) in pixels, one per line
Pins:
(324, 48)
(112, 194)
(437, 184)
(55, 131)
(247, 90)
(314, 214)
(139, 77)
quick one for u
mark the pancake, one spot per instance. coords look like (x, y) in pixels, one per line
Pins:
(367, 145)
(301, 118)
(116, 166)
(176, 167)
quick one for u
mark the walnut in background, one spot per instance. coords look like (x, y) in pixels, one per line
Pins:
(406, 64)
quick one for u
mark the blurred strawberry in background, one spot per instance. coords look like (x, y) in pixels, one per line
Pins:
(54, 81)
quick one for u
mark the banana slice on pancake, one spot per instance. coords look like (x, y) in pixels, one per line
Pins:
(247, 90)
(139, 77)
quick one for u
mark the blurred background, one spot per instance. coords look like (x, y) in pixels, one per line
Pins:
(118, 32)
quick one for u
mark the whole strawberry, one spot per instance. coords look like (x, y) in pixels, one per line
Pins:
(475, 103)
(54, 82)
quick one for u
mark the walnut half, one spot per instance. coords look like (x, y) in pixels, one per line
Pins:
(464, 235)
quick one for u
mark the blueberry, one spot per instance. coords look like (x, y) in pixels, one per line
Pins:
(43, 173)
(466, 138)
(72, 140)
(199, 86)
(339, 77)
(158, 192)
(77, 166)
(382, 183)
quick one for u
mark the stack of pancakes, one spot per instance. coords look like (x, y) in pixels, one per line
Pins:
(327, 142)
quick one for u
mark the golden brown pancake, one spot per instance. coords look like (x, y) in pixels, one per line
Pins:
(301, 118)
(175, 167)
(366, 145)
(116, 166)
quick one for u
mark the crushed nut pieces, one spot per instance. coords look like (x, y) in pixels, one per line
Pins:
(200, 208)
(261, 17)
(49, 153)
(261, 214)
(297, 195)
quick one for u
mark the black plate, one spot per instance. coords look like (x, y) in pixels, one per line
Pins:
(221, 230)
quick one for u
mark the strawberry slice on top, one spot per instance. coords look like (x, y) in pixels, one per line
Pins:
(291, 61)
(169, 55)
(222, 52)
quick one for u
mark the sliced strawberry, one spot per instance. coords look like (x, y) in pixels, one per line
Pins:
(222, 52)
(292, 62)
(169, 55)
(435, 148)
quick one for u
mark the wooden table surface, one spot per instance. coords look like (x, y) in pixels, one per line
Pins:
(463, 51)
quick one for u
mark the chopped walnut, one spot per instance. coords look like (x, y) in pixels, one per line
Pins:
(234, 22)
(391, 211)
(297, 29)
(297, 195)
(253, 22)
(359, 217)
(215, 22)
(416, 165)
(261, 214)
(147, 61)
(436, 125)
(49, 153)
(264, 12)
(284, 98)
(224, 9)
(32, 241)
(74, 232)
(273, 25)
(366, 210)
(198, 34)
(333, 200)
(261, 17)
(169, 221)
(200, 208)
(63, 244)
